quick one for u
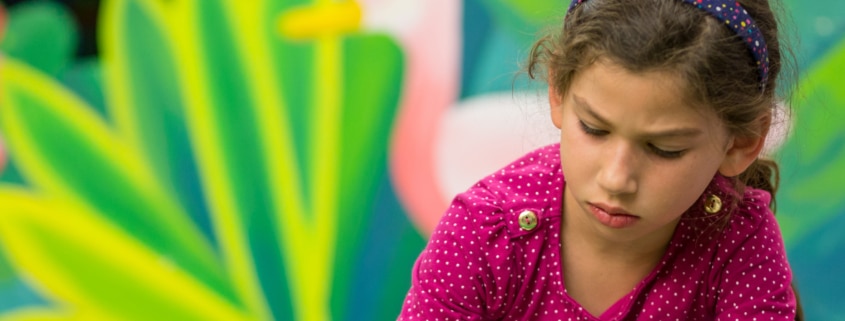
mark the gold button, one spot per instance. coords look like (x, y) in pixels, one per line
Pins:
(527, 220)
(713, 204)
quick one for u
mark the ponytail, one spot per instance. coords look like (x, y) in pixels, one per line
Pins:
(763, 174)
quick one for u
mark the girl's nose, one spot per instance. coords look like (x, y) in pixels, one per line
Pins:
(617, 175)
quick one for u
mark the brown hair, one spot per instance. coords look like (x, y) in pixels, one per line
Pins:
(676, 37)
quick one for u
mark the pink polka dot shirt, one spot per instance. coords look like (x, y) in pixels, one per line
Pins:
(480, 264)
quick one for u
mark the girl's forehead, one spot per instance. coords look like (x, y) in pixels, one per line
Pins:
(606, 77)
(608, 88)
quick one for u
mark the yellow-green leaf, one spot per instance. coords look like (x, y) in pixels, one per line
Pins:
(64, 149)
(89, 264)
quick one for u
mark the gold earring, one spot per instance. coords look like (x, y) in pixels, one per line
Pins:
(713, 204)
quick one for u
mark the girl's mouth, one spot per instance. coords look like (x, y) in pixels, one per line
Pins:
(612, 217)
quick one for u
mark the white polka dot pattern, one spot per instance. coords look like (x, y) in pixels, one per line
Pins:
(480, 265)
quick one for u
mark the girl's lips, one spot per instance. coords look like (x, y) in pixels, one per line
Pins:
(612, 217)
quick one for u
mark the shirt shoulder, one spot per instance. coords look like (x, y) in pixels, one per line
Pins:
(534, 180)
(463, 271)
(489, 210)
(726, 261)
(752, 274)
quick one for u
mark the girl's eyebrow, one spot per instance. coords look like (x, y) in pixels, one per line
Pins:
(585, 106)
(676, 132)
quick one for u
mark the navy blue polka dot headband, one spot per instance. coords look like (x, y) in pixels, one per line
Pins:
(736, 18)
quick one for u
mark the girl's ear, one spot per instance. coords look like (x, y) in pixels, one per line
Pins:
(744, 150)
(556, 104)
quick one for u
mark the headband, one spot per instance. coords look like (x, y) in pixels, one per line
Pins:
(738, 20)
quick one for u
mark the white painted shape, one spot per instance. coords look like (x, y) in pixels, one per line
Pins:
(484, 133)
(396, 17)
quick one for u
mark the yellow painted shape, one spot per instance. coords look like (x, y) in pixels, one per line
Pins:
(322, 19)
(326, 124)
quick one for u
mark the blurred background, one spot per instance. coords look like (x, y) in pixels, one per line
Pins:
(257, 160)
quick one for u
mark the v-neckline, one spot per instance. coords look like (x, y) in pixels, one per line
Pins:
(619, 308)
(623, 304)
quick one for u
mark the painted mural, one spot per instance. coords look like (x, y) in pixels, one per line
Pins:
(286, 160)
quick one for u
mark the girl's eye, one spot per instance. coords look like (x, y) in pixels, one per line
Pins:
(669, 154)
(665, 153)
(591, 131)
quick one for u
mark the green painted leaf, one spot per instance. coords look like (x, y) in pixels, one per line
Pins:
(295, 68)
(229, 109)
(63, 149)
(84, 77)
(92, 265)
(145, 100)
(369, 107)
(34, 26)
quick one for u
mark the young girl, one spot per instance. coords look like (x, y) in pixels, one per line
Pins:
(654, 205)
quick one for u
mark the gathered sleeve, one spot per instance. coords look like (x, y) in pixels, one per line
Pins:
(755, 282)
(480, 263)
(450, 277)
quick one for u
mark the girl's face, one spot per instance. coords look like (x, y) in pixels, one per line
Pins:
(634, 154)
